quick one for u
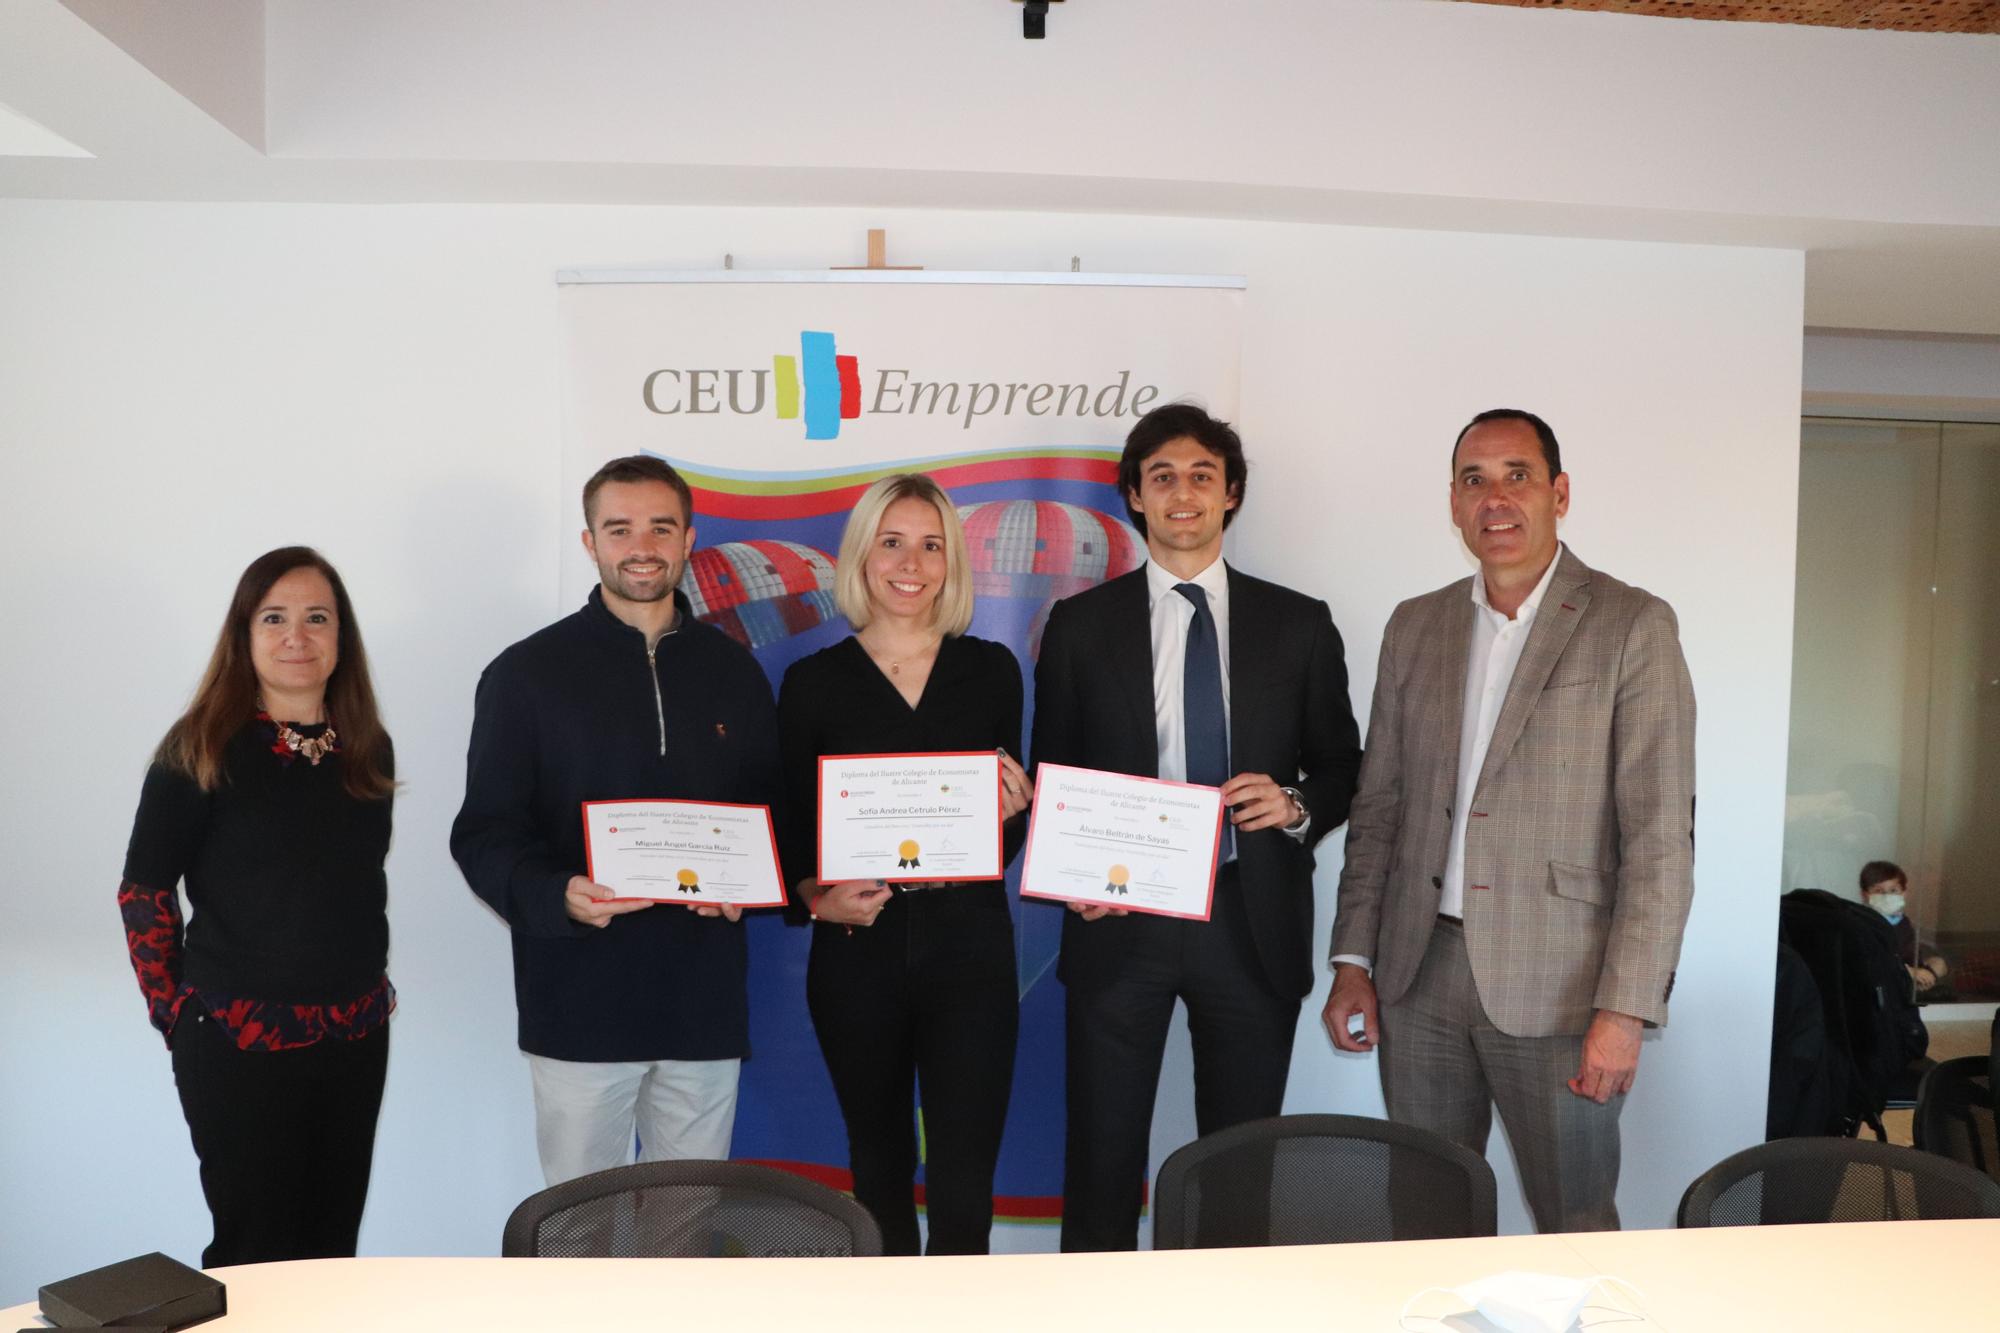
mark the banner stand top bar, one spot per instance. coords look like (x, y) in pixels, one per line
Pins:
(586, 276)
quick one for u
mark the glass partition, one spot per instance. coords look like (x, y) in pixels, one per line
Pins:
(1961, 844)
(1895, 722)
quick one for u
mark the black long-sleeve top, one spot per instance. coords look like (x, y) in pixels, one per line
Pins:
(838, 702)
(289, 934)
(580, 711)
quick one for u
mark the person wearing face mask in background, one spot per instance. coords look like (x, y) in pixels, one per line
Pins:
(913, 983)
(1885, 888)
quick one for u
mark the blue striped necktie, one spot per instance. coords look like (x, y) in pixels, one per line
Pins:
(1204, 721)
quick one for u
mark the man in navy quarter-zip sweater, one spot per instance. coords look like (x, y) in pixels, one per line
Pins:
(633, 1016)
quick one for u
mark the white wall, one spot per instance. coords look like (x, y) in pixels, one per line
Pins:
(182, 386)
(1917, 377)
(1379, 96)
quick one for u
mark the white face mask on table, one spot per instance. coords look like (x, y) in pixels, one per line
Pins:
(1521, 1302)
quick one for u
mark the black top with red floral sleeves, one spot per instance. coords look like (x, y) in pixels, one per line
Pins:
(288, 939)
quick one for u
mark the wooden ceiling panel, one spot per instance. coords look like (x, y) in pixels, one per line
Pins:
(1901, 15)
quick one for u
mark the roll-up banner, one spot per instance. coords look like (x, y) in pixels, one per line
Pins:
(780, 397)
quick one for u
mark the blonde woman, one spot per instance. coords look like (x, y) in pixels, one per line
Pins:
(911, 987)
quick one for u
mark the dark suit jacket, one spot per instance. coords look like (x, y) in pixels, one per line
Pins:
(1289, 717)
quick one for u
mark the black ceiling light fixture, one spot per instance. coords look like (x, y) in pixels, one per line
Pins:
(1035, 18)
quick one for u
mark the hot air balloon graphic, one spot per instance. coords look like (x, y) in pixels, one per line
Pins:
(1041, 551)
(758, 592)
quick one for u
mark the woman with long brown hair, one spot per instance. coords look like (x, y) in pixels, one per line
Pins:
(270, 801)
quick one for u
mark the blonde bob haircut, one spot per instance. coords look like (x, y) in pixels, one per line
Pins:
(951, 612)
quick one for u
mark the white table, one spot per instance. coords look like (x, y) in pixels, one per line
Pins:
(1877, 1275)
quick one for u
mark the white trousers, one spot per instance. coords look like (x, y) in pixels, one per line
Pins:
(587, 1114)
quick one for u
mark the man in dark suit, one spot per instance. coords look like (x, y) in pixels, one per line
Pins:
(1187, 670)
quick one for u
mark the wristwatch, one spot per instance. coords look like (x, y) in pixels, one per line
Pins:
(1298, 804)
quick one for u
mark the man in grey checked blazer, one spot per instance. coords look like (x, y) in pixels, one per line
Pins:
(1520, 855)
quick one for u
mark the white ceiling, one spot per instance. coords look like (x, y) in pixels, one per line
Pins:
(1877, 153)
(21, 137)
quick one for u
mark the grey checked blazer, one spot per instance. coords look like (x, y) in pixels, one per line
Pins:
(1579, 851)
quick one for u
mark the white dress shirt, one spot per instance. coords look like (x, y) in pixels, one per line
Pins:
(1490, 660)
(1489, 669)
(1171, 616)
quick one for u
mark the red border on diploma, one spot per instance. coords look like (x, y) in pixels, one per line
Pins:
(770, 831)
(819, 824)
(1214, 845)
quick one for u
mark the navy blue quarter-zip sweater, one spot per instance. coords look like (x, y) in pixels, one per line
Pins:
(582, 712)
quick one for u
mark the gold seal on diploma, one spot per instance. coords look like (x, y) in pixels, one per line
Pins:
(1116, 878)
(689, 882)
(907, 850)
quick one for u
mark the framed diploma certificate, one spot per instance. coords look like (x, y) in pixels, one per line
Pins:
(1119, 841)
(684, 852)
(905, 817)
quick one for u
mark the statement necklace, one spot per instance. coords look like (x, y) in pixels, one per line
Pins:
(290, 744)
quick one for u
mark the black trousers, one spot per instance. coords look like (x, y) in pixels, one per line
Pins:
(285, 1138)
(926, 996)
(1241, 1031)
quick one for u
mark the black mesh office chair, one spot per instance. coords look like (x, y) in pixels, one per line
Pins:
(1955, 1114)
(1320, 1179)
(1834, 1180)
(689, 1210)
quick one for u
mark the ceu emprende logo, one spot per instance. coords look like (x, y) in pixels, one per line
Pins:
(832, 386)
(818, 384)
(824, 388)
